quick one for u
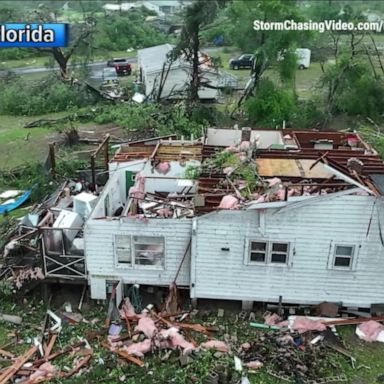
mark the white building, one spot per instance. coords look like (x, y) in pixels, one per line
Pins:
(156, 69)
(324, 242)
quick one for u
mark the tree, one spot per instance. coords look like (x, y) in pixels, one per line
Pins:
(197, 16)
(267, 46)
(82, 33)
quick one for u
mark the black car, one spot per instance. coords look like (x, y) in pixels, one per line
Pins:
(243, 61)
(121, 66)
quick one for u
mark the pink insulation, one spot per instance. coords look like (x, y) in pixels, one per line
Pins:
(45, 371)
(274, 181)
(228, 170)
(241, 156)
(216, 344)
(261, 199)
(139, 349)
(127, 309)
(165, 212)
(370, 331)
(137, 191)
(172, 339)
(231, 148)
(272, 319)
(147, 326)
(256, 364)
(163, 167)
(303, 324)
(229, 202)
(245, 145)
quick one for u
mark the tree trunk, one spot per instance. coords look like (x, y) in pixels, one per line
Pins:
(195, 65)
(62, 60)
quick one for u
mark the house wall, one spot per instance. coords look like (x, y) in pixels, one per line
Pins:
(101, 260)
(312, 231)
(177, 81)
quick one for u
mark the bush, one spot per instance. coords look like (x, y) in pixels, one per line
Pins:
(156, 119)
(271, 105)
(307, 115)
(35, 98)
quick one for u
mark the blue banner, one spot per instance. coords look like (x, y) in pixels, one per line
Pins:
(33, 35)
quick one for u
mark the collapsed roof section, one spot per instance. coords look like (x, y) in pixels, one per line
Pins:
(236, 169)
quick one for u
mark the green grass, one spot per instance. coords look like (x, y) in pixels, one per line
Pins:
(14, 149)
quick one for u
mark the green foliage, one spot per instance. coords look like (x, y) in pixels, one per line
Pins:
(271, 105)
(362, 96)
(155, 119)
(374, 137)
(34, 98)
(116, 32)
(192, 172)
(307, 114)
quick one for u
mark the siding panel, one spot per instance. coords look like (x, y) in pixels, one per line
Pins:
(312, 230)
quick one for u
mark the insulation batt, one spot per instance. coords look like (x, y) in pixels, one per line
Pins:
(229, 202)
(272, 319)
(129, 309)
(163, 167)
(370, 331)
(232, 149)
(245, 145)
(303, 324)
(147, 326)
(45, 371)
(256, 364)
(139, 349)
(215, 344)
(274, 181)
(173, 339)
(165, 212)
(137, 191)
(228, 170)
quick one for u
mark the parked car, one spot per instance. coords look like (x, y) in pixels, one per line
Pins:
(121, 66)
(244, 61)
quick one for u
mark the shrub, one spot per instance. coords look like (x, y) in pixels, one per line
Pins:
(34, 98)
(271, 105)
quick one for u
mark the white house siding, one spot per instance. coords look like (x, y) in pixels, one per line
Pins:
(100, 253)
(308, 277)
(177, 81)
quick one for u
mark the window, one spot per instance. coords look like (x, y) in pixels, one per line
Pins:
(343, 256)
(279, 253)
(149, 250)
(268, 252)
(123, 249)
(138, 251)
(258, 252)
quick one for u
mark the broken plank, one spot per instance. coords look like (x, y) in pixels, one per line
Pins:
(20, 361)
(124, 355)
(50, 345)
(354, 321)
(78, 366)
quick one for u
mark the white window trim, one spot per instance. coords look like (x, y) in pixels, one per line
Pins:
(268, 258)
(133, 264)
(332, 259)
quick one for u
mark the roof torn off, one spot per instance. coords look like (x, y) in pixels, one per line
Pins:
(236, 169)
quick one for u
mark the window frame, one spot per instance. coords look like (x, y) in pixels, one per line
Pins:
(132, 250)
(250, 251)
(268, 252)
(352, 257)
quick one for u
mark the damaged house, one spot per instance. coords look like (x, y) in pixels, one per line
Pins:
(250, 215)
(164, 79)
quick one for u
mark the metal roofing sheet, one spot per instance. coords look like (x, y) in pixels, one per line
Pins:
(378, 179)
